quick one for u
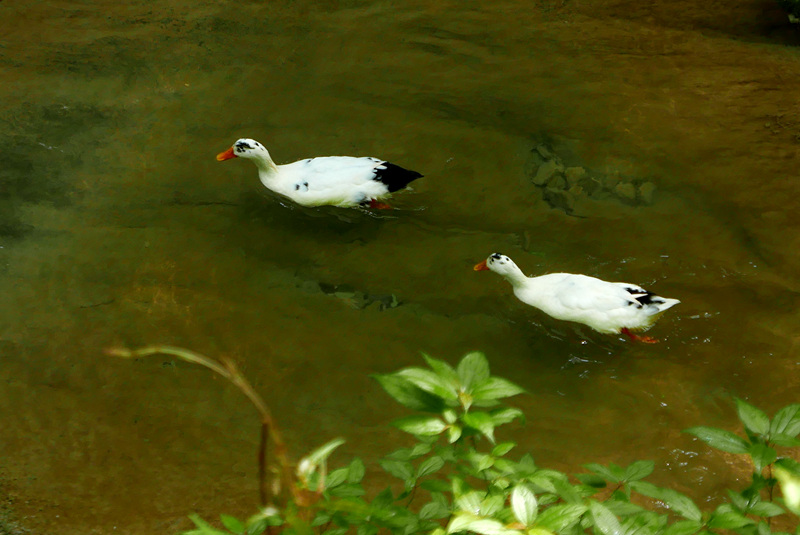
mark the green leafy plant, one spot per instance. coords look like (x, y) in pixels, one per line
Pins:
(457, 478)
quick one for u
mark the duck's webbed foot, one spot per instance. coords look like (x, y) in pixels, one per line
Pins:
(637, 338)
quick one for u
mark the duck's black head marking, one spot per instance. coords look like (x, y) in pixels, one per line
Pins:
(242, 146)
(497, 257)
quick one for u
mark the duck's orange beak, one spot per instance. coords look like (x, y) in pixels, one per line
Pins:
(227, 155)
(481, 267)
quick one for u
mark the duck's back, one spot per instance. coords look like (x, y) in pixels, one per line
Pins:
(342, 180)
(604, 306)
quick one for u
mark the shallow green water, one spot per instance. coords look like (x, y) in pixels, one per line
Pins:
(118, 227)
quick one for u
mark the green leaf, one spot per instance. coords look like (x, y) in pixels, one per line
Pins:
(604, 520)
(430, 382)
(453, 433)
(524, 504)
(450, 416)
(676, 501)
(592, 480)
(638, 470)
(232, 523)
(481, 421)
(789, 464)
(503, 448)
(495, 388)
(738, 501)
(399, 469)
(310, 462)
(786, 441)
(720, 439)
(203, 528)
(762, 456)
(766, 509)
(623, 508)
(420, 425)
(477, 524)
(728, 520)
(683, 527)
(481, 461)
(383, 500)
(786, 421)
(336, 478)
(347, 490)
(527, 465)
(565, 489)
(492, 504)
(473, 370)
(429, 466)
(612, 472)
(469, 502)
(642, 523)
(435, 485)
(420, 449)
(403, 454)
(443, 370)
(754, 419)
(433, 510)
(366, 529)
(505, 415)
(356, 471)
(322, 453)
(559, 518)
(408, 394)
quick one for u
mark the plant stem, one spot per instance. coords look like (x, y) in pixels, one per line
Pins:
(229, 371)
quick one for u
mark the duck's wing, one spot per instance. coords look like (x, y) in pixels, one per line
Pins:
(332, 180)
(581, 292)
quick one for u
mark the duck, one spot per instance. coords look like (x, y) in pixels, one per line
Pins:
(606, 307)
(343, 181)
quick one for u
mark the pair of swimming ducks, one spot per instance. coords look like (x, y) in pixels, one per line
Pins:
(350, 182)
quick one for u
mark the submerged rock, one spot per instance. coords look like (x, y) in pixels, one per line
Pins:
(574, 175)
(559, 198)
(626, 191)
(572, 187)
(546, 172)
(646, 192)
(545, 152)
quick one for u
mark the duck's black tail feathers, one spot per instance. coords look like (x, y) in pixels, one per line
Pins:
(394, 176)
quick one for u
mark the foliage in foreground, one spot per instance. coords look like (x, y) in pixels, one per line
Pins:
(458, 479)
(792, 8)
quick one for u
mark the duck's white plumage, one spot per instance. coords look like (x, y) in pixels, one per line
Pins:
(344, 181)
(607, 307)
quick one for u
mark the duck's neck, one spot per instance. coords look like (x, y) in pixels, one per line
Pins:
(266, 167)
(516, 277)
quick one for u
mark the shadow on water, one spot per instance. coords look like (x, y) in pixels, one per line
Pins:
(263, 213)
(40, 160)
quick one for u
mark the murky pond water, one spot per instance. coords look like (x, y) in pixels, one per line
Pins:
(118, 227)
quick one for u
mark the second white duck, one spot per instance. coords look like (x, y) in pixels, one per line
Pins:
(344, 181)
(606, 307)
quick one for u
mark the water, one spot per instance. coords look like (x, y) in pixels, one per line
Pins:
(118, 227)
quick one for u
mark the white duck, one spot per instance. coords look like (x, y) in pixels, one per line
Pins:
(343, 181)
(607, 307)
